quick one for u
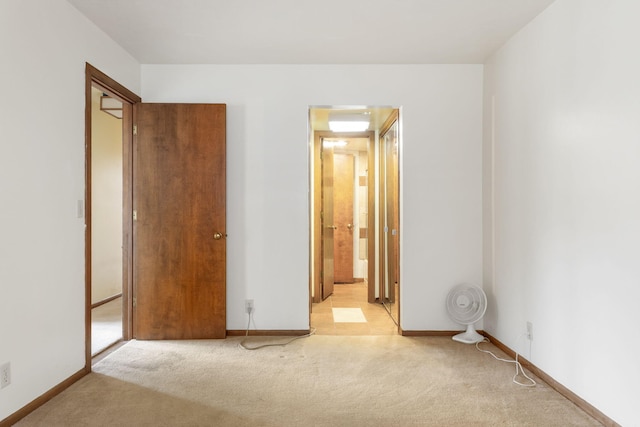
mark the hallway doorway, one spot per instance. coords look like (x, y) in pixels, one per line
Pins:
(347, 312)
(107, 211)
(350, 248)
(106, 220)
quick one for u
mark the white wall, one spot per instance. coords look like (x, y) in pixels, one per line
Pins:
(43, 48)
(267, 191)
(567, 198)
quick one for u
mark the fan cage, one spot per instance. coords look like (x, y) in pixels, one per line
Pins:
(466, 304)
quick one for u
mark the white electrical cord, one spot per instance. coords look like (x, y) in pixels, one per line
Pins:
(518, 365)
(242, 343)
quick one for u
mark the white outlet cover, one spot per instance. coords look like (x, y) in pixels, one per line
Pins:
(5, 375)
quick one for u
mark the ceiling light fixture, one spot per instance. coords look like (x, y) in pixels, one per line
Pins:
(350, 122)
(111, 106)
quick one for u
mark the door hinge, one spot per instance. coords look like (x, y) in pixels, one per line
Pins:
(135, 301)
(135, 129)
(135, 215)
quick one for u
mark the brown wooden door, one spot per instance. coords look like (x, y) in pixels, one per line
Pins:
(328, 227)
(179, 206)
(343, 183)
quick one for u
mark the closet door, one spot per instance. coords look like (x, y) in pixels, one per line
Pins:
(179, 227)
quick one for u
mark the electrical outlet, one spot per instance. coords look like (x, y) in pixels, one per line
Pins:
(530, 331)
(248, 306)
(5, 375)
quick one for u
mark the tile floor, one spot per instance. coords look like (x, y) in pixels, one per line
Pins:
(378, 321)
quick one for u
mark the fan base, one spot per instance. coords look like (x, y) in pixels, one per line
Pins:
(470, 336)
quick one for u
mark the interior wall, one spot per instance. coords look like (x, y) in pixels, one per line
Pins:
(106, 197)
(267, 169)
(561, 110)
(44, 46)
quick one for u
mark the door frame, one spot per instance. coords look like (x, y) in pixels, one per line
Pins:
(315, 291)
(384, 251)
(95, 77)
(327, 221)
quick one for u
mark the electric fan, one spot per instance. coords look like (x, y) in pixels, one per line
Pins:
(466, 305)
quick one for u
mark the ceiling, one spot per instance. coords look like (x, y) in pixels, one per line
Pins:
(310, 32)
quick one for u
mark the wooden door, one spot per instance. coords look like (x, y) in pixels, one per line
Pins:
(343, 172)
(179, 227)
(328, 227)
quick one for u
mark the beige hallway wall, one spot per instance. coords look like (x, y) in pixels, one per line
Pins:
(106, 192)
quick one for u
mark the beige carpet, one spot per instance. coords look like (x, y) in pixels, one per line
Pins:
(106, 325)
(316, 381)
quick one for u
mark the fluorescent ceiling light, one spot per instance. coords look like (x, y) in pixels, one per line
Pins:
(350, 122)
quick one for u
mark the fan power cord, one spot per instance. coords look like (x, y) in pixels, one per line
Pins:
(243, 345)
(517, 363)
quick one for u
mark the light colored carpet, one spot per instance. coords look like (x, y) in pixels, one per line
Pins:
(106, 325)
(316, 381)
(348, 315)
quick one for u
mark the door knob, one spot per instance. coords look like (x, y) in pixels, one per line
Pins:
(217, 236)
(349, 226)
